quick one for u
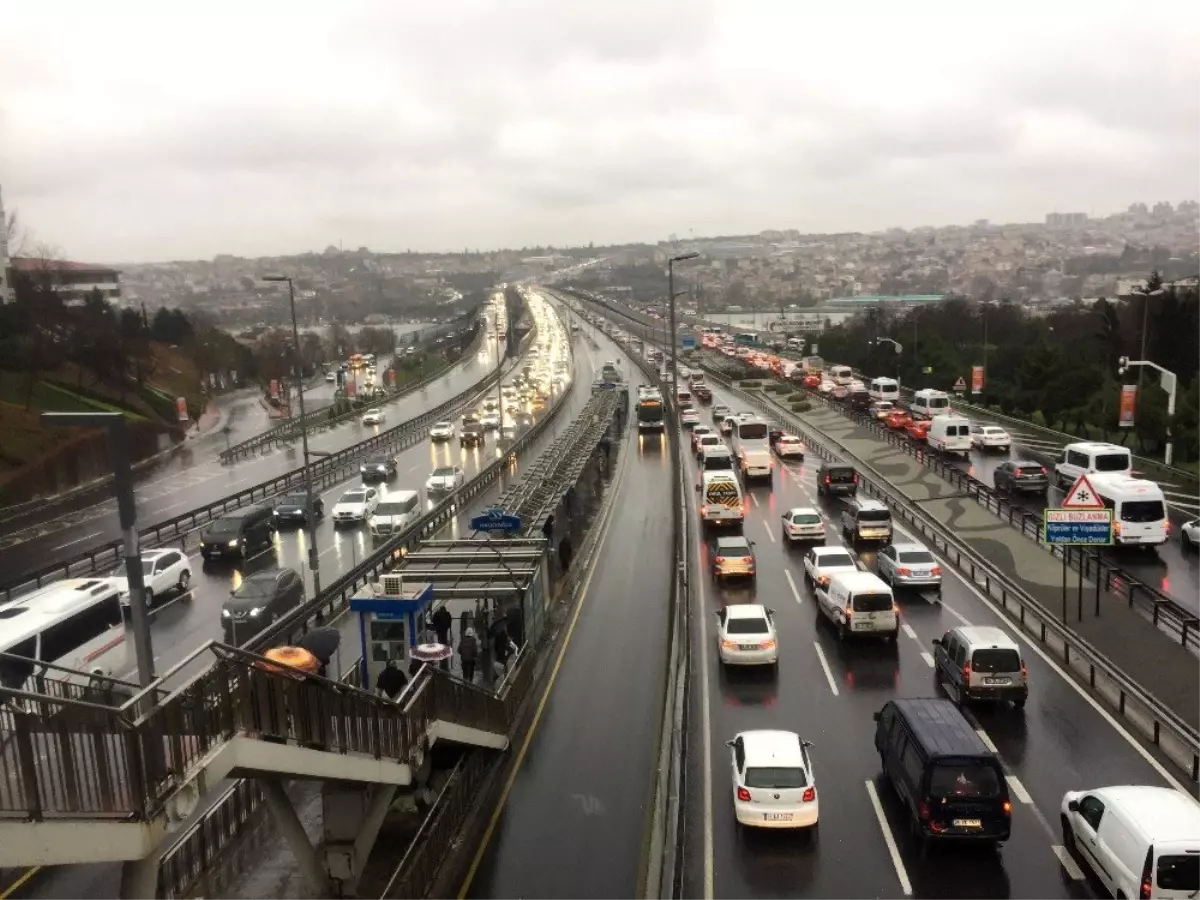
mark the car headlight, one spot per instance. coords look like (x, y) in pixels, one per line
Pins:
(257, 610)
(225, 614)
(232, 543)
(381, 468)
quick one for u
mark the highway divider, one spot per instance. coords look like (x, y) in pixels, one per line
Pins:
(1128, 699)
(326, 471)
(290, 430)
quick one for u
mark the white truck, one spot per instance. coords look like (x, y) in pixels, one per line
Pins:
(751, 446)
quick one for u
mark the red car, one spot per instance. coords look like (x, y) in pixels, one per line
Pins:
(898, 419)
(812, 380)
(919, 430)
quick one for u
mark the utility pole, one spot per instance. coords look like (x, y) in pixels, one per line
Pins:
(674, 340)
(1145, 295)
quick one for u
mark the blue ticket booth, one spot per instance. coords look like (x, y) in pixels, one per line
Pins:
(390, 623)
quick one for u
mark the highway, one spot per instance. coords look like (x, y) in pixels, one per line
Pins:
(828, 692)
(573, 817)
(205, 480)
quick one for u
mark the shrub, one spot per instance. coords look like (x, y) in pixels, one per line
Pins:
(1038, 418)
(749, 383)
(802, 406)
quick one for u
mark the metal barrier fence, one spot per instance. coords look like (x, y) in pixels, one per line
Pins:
(1158, 724)
(326, 471)
(290, 430)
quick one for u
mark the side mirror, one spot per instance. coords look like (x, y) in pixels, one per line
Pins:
(729, 743)
(697, 489)
(810, 743)
(937, 642)
(1073, 806)
(770, 612)
(875, 716)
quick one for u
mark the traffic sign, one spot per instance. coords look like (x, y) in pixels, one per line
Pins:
(688, 342)
(496, 520)
(960, 386)
(1082, 496)
(1088, 527)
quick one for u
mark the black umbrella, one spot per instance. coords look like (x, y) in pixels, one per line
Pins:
(321, 643)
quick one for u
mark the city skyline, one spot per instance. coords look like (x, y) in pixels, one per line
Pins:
(529, 125)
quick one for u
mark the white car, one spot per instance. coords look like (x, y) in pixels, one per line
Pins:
(442, 431)
(689, 415)
(789, 446)
(356, 505)
(445, 479)
(374, 417)
(1189, 534)
(490, 420)
(803, 524)
(163, 572)
(821, 562)
(330, 378)
(773, 781)
(990, 437)
(746, 635)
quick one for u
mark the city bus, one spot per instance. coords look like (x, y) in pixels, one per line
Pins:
(747, 339)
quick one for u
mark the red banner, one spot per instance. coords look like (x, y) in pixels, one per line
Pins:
(390, 376)
(274, 388)
(1128, 411)
(350, 387)
(976, 379)
(181, 406)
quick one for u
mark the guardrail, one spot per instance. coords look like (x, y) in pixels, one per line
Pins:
(1158, 724)
(290, 430)
(325, 471)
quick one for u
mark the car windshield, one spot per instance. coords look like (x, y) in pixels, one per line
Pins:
(295, 500)
(874, 515)
(1112, 462)
(375, 463)
(255, 588)
(835, 560)
(996, 659)
(995, 432)
(354, 497)
(443, 425)
(443, 471)
(840, 475)
(1179, 873)
(391, 509)
(1143, 511)
(778, 778)
(229, 523)
(752, 625)
(733, 548)
(964, 778)
(915, 556)
(147, 567)
(872, 602)
(805, 518)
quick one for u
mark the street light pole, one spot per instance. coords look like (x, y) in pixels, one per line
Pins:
(1168, 383)
(310, 524)
(499, 388)
(899, 349)
(118, 455)
(1145, 295)
(674, 338)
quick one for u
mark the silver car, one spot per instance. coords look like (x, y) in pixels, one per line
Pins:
(909, 565)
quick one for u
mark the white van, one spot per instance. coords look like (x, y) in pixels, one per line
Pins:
(884, 389)
(841, 374)
(1138, 840)
(859, 603)
(1139, 509)
(75, 623)
(721, 501)
(1086, 457)
(950, 434)
(927, 403)
(397, 511)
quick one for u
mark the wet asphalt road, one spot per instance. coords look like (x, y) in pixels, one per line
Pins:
(828, 692)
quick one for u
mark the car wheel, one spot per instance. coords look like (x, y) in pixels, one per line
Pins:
(185, 578)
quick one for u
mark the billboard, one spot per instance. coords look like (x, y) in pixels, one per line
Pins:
(181, 407)
(1128, 412)
(274, 388)
(976, 379)
(350, 387)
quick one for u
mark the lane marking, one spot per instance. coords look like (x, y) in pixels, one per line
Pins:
(86, 537)
(890, 840)
(825, 665)
(20, 882)
(987, 741)
(792, 585)
(771, 534)
(1064, 857)
(1014, 785)
(954, 612)
(753, 499)
(908, 629)
(928, 659)
(706, 726)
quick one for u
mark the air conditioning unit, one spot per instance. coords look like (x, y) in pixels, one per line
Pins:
(393, 585)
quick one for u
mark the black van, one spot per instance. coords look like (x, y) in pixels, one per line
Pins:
(951, 784)
(239, 534)
(835, 478)
(859, 401)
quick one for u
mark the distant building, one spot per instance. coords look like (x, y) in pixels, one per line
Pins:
(1066, 220)
(72, 280)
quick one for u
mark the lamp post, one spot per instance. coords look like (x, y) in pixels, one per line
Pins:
(1145, 295)
(118, 455)
(899, 349)
(682, 257)
(499, 388)
(310, 525)
(1168, 382)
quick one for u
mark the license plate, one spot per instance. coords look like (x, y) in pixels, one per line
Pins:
(921, 574)
(968, 823)
(747, 646)
(864, 626)
(997, 680)
(777, 817)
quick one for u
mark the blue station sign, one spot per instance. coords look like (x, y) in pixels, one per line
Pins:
(496, 520)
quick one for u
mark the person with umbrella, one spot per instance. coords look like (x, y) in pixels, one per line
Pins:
(391, 681)
(323, 644)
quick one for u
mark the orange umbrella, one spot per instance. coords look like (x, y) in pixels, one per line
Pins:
(296, 657)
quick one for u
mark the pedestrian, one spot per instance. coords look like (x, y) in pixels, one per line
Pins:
(442, 620)
(548, 528)
(391, 681)
(564, 553)
(414, 667)
(468, 651)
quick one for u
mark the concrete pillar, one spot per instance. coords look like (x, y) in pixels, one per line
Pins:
(352, 814)
(139, 878)
(288, 823)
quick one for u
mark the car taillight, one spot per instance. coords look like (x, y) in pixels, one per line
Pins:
(1044, 470)
(704, 510)
(1007, 807)
(1167, 525)
(1147, 886)
(849, 610)
(729, 645)
(748, 560)
(1024, 672)
(824, 581)
(743, 795)
(923, 811)
(856, 478)
(904, 571)
(966, 671)
(768, 644)
(810, 794)
(936, 570)
(1116, 527)
(828, 480)
(896, 609)
(720, 560)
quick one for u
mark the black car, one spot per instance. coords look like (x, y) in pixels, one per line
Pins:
(259, 600)
(773, 435)
(836, 479)
(1021, 476)
(859, 401)
(380, 468)
(294, 508)
(239, 534)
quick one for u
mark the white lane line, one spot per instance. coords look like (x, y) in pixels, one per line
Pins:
(825, 665)
(706, 725)
(987, 741)
(928, 659)
(890, 840)
(1018, 790)
(86, 537)
(771, 534)
(792, 585)
(908, 630)
(1068, 863)
(954, 612)
(753, 499)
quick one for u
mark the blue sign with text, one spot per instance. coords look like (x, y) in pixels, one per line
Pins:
(688, 342)
(496, 520)
(1087, 527)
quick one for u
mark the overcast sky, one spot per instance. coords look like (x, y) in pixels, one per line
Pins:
(136, 132)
